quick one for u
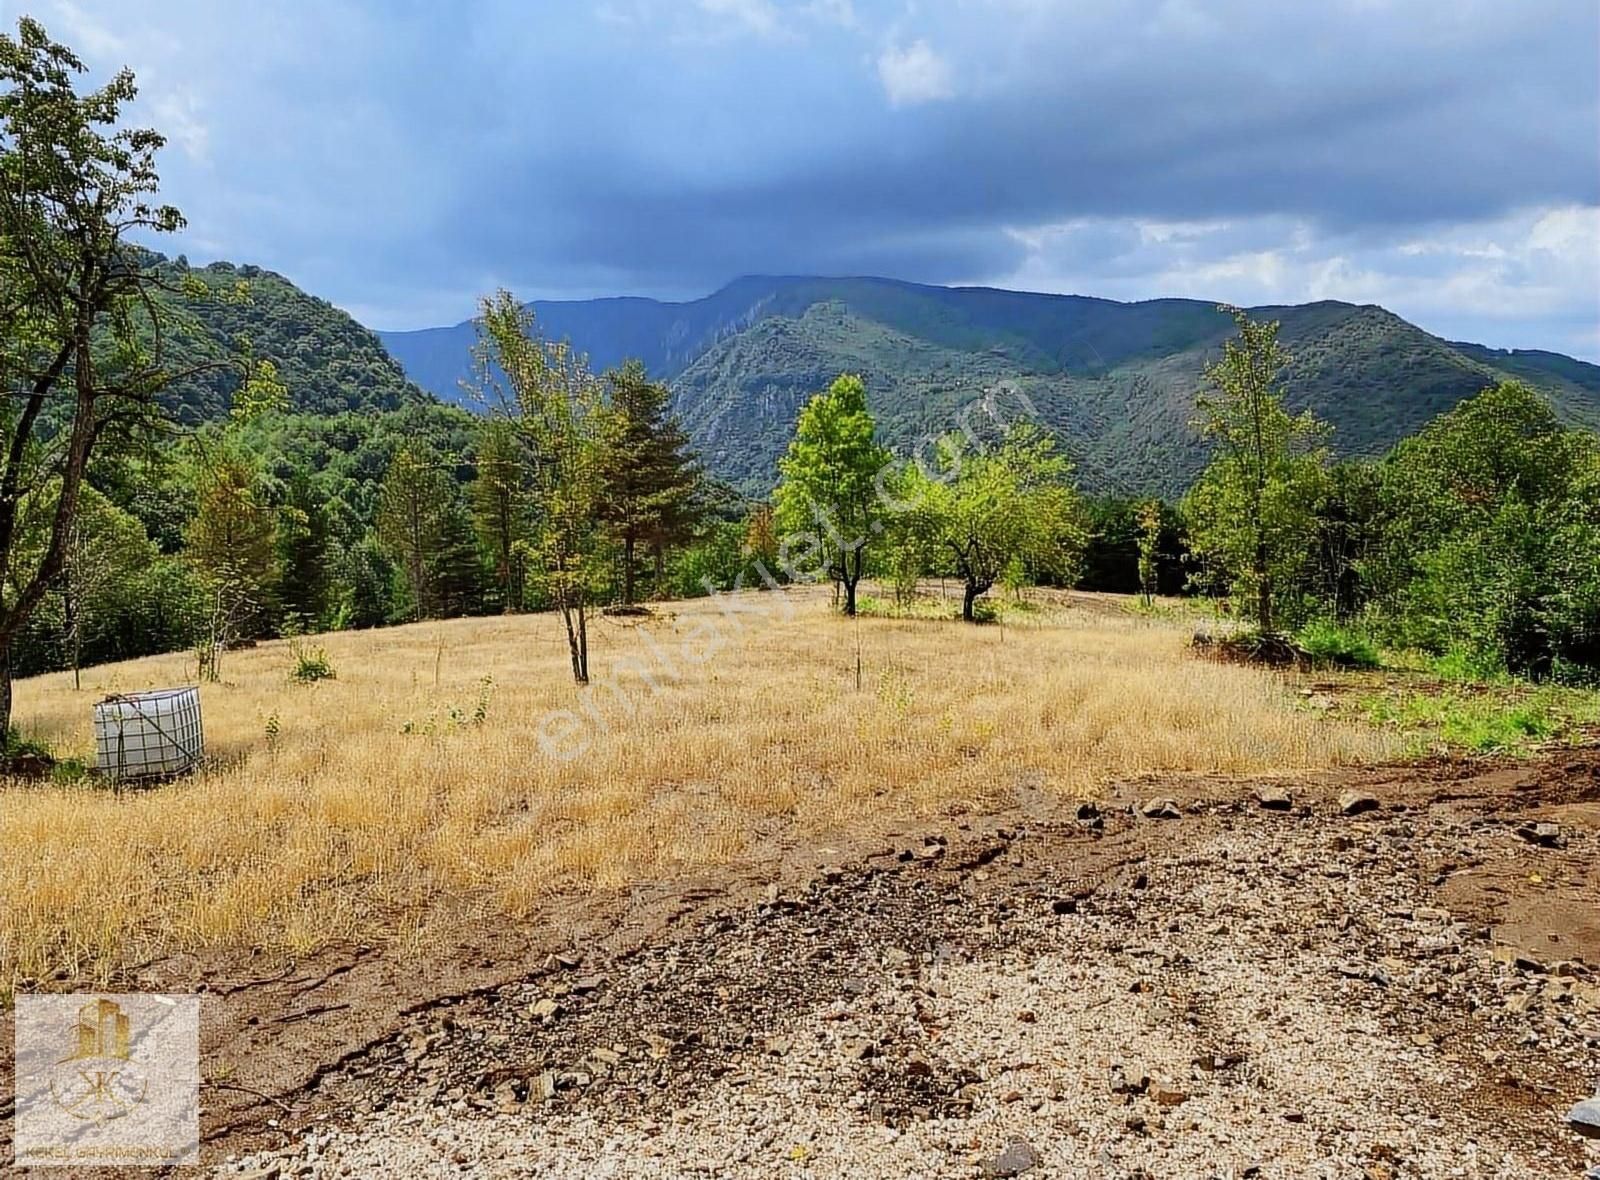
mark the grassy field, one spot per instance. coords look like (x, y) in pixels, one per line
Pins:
(451, 769)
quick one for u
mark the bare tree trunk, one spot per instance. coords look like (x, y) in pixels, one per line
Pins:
(627, 570)
(5, 696)
(851, 567)
(69, 611)
(583, 643)
(969, 596)
(1263, 589)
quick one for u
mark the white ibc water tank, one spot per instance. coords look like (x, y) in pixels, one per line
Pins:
(148, 734)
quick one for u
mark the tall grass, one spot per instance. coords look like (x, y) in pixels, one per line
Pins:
(394, 797)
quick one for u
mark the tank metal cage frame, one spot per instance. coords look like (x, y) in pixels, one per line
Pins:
(144, 735)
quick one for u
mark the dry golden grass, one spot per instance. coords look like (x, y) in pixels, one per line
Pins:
(380, 805)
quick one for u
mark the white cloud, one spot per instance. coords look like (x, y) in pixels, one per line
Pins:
(1529, 279)
(177, 113)
(760, 17)
(153, 55)
(836, 12)
(915, 74)
(86, 34)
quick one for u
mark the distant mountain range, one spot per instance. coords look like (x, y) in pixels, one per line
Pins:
(1117, 380)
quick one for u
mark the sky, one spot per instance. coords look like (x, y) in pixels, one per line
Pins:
(402, 157)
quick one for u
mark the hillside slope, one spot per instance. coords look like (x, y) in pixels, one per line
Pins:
(329, 363)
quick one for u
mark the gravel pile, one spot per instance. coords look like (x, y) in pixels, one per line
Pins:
(1244, 990)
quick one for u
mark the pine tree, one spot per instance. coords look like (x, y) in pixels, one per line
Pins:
(651, 492)
(370, 581)
(232, 539)
(304, 550)
(499, 499)
(456, 569)
(412, 508)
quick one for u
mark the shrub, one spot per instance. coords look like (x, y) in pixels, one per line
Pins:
(1490, 722)
(69, 771)
(1469, 665)
(13, 743)
(1329, 643)
(311, 664)
(1250, 647)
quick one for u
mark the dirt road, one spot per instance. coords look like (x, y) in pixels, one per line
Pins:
(1237, 990)
(1412, 990)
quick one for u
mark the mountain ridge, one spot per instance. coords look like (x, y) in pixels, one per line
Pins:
(1116, 379)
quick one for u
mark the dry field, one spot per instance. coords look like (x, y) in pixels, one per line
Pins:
(438, 775)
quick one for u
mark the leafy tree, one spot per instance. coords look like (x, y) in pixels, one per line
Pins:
(84, 317)
(558, 411)
(1490, 535)
(79, 349)
(829, 492)
(1012, 504)
(1149, 548)
(761, 540)
(1117, 528)
(106, 554)
(651, 492)
(1347, 522)
(911, 543)
(716, 560)
(1250, 513)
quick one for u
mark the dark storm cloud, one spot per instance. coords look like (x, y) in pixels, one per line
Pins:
(399, 157)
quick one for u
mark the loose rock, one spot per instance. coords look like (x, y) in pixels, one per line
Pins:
(1017, 1158)
(1356, 803)
(1584, 1118)
(1274, 799)
(1545, 835)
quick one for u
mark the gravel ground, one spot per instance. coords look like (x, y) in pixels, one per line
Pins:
(1234, 992)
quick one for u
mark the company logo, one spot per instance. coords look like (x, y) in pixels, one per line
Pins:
(107, 1080)
(99, 1079)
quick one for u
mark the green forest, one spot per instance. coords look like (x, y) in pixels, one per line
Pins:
(202, 457)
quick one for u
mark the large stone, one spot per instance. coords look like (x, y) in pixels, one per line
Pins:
(1356, 803)
(1274, 799)
(1018, 1157)
(1545, 835)
(1584, 1118)
(1161, 809)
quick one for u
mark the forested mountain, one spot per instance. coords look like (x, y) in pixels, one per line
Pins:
(1117, 379)
(329, 363)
